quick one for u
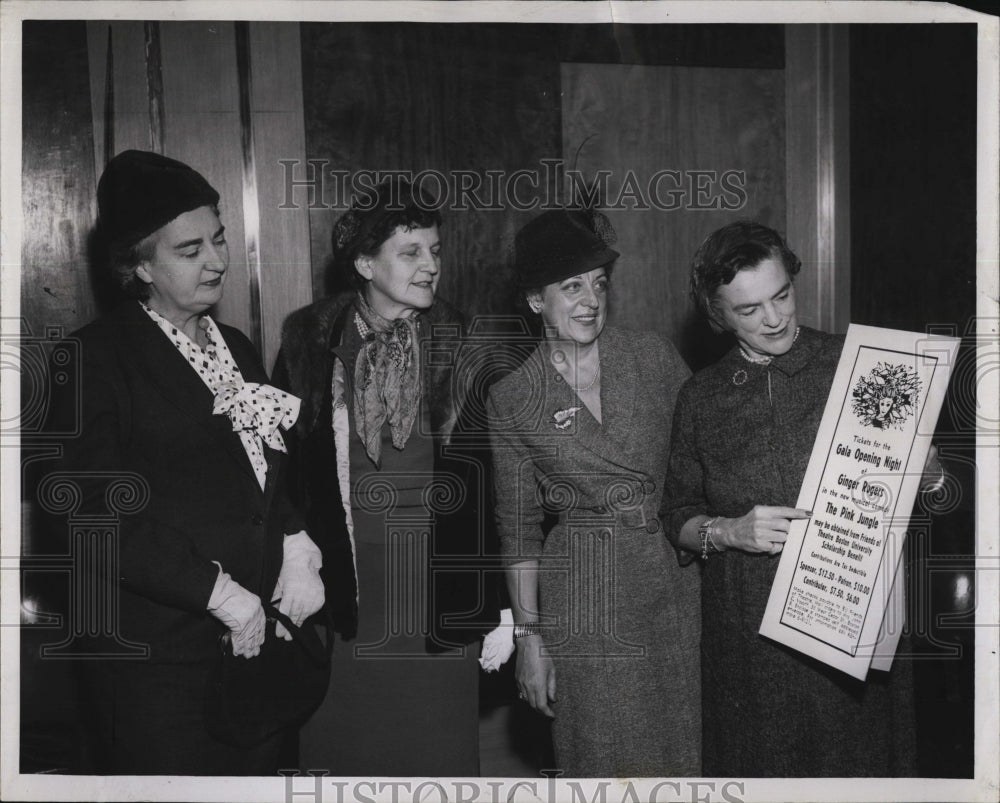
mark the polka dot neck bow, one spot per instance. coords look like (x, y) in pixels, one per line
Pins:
(257, 412)
(261, 409)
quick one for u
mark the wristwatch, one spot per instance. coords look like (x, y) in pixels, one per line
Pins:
(526, 629)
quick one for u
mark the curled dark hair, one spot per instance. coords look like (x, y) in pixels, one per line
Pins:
(373, 217)
(742, 245)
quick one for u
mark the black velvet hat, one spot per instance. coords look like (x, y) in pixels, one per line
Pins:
(558, 244)
(140, 192)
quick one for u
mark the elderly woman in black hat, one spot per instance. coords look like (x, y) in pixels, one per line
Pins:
(374, 366)
(607, 623)
(178, 405)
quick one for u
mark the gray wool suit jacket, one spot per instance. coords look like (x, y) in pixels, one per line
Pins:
(552, 457)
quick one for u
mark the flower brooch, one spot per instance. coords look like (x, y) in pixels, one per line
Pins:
(563, 418)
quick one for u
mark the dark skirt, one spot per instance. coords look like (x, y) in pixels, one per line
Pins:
(395, 708)
(772, 712)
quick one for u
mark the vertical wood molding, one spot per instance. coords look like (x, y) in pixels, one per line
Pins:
(131, 95)
(108, 112)
(279, 134)
(251, 203)
(818, 170)
(154, 85)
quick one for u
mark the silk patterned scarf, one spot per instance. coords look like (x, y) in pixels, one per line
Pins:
(386, 378)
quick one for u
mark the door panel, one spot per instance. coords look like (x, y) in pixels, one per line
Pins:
(635, 121)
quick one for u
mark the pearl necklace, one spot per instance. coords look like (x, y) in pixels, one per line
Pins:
(764, 359)
(597, 375)
(363, 328)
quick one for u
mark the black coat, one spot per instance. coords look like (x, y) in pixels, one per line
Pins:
(142, 409)
(464, 566)
(150, 463)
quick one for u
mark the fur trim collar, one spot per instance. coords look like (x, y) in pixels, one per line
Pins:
(310, 334)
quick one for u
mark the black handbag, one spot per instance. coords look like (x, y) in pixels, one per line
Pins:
(248, 700)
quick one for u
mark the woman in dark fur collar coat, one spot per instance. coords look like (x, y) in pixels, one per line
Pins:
(374, 370)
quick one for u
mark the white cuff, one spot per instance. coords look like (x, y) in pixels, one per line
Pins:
(223, 589)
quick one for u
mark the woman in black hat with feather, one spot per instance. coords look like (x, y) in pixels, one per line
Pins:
(607, 623)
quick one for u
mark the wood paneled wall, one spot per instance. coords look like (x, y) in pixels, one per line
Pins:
(58, 187)
(449, 98)
(386, 97)
(412, 97)
(702, 124)
(286, 271)
(818, 171)
(200, 126)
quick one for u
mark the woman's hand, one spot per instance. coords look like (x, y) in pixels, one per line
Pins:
(535, 674)
(299, 591)
(763, 529)
(239, 610)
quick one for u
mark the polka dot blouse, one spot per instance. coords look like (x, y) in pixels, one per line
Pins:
(257, 412)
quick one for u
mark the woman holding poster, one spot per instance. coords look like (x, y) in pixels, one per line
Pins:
(742, 436)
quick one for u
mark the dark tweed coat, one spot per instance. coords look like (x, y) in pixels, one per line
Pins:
(463, 604)
(743, 435)
(621, 615)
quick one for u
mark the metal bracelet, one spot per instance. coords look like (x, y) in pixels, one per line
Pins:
(705, 531)
(526, 629)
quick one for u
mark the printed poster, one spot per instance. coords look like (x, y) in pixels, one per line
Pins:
(835, 580)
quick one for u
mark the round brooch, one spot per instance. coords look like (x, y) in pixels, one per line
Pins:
(740, 377)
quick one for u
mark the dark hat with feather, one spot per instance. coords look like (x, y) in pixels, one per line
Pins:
(561, 243)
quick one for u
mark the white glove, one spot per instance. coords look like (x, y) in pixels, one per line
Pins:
(239, 610)
(299, 588)
(498, 644)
